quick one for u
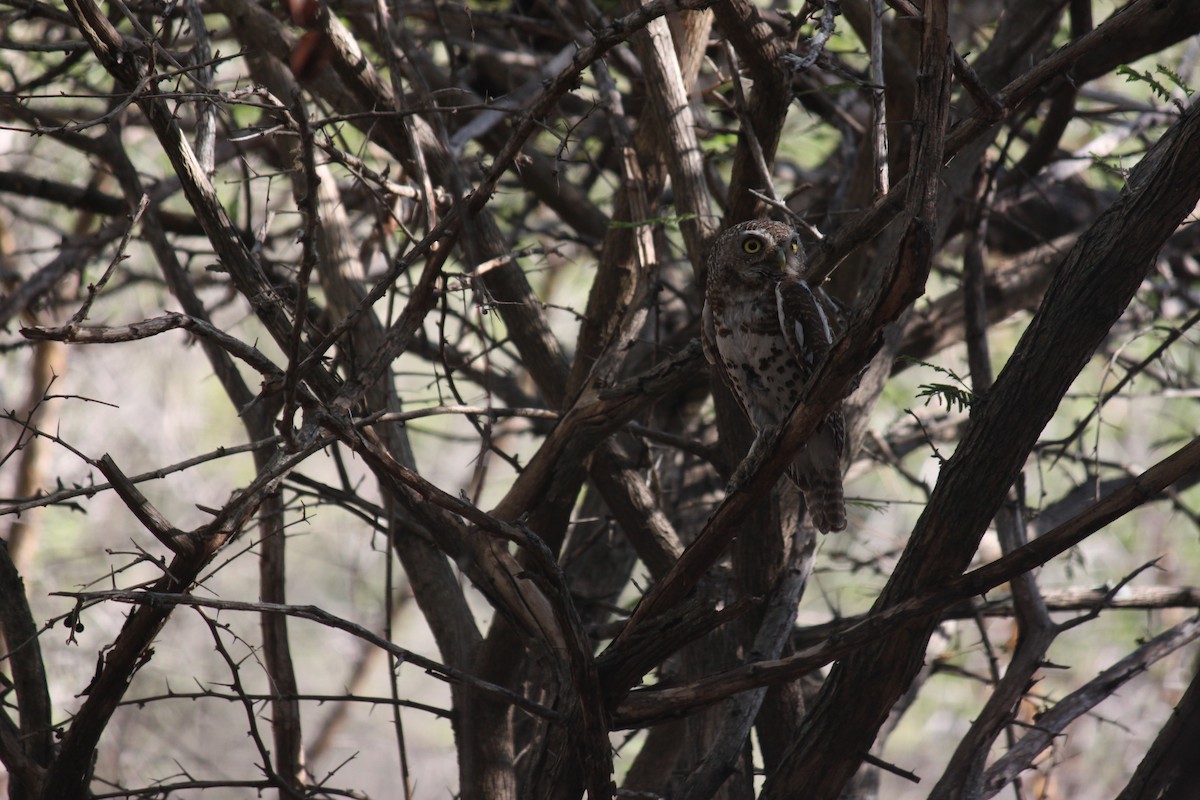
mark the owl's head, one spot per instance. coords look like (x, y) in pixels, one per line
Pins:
(757, 250)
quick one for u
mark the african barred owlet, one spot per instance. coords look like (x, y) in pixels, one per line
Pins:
(765, 330)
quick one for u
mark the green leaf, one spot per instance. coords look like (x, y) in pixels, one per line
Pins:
(1133, 76)
(957, 394)
(1175, 79)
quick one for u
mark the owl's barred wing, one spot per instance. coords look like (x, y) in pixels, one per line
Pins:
(708, 339)
(708, 335)
(808, 318)
(811, 322)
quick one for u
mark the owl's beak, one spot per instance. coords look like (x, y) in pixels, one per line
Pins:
(781, 256)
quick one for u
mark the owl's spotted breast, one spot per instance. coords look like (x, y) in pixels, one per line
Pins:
(762, 369)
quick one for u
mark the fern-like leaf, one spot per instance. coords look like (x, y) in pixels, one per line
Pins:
(951, 395)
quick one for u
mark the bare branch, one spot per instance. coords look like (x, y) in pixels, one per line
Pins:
(1051, 724)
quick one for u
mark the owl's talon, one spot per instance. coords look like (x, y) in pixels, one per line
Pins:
(754, 456)
(762, 444)
(738, 479)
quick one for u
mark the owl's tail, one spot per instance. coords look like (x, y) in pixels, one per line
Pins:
(826, 505)
(817, 472)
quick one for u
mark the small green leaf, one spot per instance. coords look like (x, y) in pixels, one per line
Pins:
(1175, 79)
(1133, 76)
(950, 395)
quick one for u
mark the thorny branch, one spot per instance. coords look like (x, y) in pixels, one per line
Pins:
(446, 263)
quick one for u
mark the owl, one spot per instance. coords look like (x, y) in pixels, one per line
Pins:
(764, 330)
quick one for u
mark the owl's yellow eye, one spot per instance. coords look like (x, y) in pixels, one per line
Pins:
(795, 246)
(752, 245)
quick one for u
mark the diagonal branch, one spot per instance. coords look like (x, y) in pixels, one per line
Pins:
(1173, 21)
(153, 598)
(1169, 766)
(67, 777)
(766, 105)
(1053, 722)
(1089, 293)
(25, 751)
(649, 705)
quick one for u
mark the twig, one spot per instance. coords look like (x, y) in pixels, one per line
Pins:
(879, 133)
(95, 289)
(55, 498)
(320, 616)
(176, 540)
(1053, 722)
(74, 334)
(645, 705)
